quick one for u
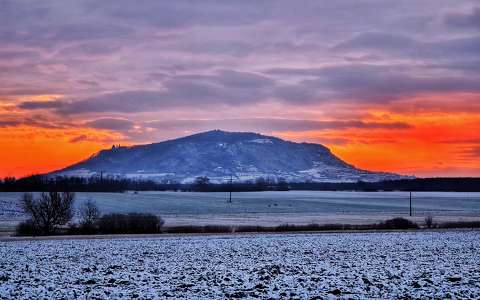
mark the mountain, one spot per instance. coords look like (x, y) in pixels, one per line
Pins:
(218, 155)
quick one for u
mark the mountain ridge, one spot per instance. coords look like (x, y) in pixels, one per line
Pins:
(219, 155)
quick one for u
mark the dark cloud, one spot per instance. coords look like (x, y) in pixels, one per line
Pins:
(32, 105)
(111, 124)
(373, 82)
(95, 139)
(460, 141)
(78, 139)
(396, 45)
(465, 66)
(88, 82)
(370, 83)
(89, 50)
(377, 40)
(179, 14)
(350, 82)
(15, 13)
(475, 152)
(299, 93)
(32, 121)
(44, 35)
(469, 153)
(269, 124)
(123, 102)
(456, 47)
(9, 123)
(23, 91)
(243, 80)
(87, 31)
(464, 20)
(226, 87)
(219, 48)
(8, 55)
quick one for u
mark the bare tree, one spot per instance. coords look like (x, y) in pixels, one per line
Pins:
(429, 221)
(89, 213)
(50, 210)
(201, 183)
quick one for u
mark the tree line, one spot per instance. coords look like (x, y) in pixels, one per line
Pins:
(39, 183)
(452, 184)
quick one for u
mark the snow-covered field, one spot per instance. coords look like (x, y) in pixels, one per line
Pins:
(272, 208)
(346, 265)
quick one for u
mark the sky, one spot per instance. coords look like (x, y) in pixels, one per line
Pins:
(387, 85)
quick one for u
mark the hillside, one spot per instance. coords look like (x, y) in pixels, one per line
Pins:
(219, 155)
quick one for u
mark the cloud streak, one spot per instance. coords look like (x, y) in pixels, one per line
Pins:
(272, 125)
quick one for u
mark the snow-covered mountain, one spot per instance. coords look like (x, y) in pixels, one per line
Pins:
(218, 155)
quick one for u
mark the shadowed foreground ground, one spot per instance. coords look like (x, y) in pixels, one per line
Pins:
(346, 265)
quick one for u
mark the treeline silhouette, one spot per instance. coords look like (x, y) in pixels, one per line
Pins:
(447, 184)
(41, 183)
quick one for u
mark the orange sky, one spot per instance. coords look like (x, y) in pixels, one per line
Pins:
(435, 144)
(27, 150)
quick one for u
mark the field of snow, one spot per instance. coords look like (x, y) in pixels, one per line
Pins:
(273, 208)
(316, 266)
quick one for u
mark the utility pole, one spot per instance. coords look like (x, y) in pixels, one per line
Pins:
(410, 204)
(231, 188)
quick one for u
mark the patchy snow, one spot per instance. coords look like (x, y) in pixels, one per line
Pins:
(361, 265)
(261, 141)
(246, 156)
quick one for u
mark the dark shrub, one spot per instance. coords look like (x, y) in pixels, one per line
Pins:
(73, 229)
(285, 227)
(129, 223)
(113, 223)
(185, 229)
(289, 227)
(200, 229)
(253, 228)
(27, 228)
(461, 224)
(292, 228)
(398, 223)
(144, 223)
(218, 229)
(336, 227)
(201, 184)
